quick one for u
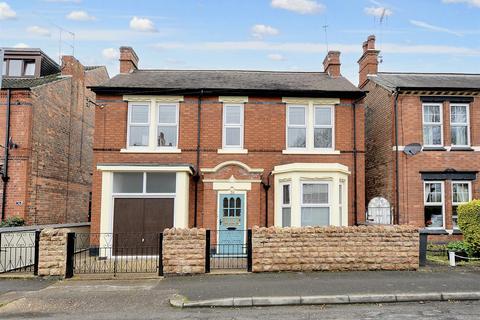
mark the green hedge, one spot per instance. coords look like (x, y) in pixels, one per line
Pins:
(12, 222)
(469, 223)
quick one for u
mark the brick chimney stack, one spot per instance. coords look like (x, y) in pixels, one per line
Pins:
(331, 63)
(128, 60)
(368, 62)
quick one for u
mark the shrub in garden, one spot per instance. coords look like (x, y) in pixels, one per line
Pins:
(12, 222)
(469, 223)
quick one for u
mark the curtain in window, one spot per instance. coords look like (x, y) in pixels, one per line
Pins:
(460, 192)
(459, 125)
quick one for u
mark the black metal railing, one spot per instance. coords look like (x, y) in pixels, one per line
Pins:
(117, 253)
(19, 251)
(229, 249)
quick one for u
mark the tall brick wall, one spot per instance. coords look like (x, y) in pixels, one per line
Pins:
(264, 139)
(184, 251)
(335, 248)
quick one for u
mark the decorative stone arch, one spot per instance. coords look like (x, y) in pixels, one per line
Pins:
(232, 169)
(219, 166)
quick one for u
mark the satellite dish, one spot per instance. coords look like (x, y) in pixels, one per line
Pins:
(412, 149)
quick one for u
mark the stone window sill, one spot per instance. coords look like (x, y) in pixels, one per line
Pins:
(326, 152)
(232, 151)
(434, 149)
(150, 150)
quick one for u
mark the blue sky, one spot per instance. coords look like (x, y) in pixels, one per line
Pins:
(421, 36)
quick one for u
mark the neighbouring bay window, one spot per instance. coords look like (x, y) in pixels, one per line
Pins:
(432, 125)
(233, 126)
(286, 206)
(315, 204)
(461, 193)
(153, 124)
(459, 124)
(138, 125)
(311, 194)
(434, 204)
(310, 127)
(167, 129)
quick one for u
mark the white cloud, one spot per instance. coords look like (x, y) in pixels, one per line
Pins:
(313, 47)
(259, 31)
(276, 57)
(299, 6)
(425, 25)
(80, 15)
(142, 24)
(110, 53)
(39, 31)
(378, 11)
(474, 3)
(21, 45)
(6, 12)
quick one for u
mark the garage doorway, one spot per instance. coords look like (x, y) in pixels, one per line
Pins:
(137, 223)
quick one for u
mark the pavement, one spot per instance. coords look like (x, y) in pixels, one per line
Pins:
(150, 298)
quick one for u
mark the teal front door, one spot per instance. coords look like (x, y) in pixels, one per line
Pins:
(231, 228)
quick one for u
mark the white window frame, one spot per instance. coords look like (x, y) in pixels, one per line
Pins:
(440, 105)
(457, 124)
(317, 205)
(144, 193)
(146, 124)
(434, 204)
(225, 126)
(298, 126)
(469, 183)
(341, 199)
(331, 126)
(158, 123)
(289, 204)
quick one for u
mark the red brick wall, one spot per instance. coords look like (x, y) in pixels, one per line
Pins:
(50, 172)
(380, 162)
(264, 139)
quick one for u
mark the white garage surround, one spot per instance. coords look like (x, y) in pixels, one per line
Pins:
(296, 176)
(181, 195)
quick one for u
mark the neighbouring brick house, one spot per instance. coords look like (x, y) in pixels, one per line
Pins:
(422, 141)
(48, 172)
(226, 149)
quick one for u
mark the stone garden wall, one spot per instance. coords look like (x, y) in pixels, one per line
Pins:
(53, 252)
(335, 248)
(184, 251)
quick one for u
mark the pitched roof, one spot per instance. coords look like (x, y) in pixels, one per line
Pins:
(451, 81)
(233, 80)
(27, 83)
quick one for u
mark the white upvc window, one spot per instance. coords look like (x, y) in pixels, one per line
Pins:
(460, 125)
(297, 126)
(461, 193)
(432, 124)
(434, 204)
(341, 200)
(138, 125)
(233, 120)
(315, 204)
(323, 125)
(167, 125)
(286, 205)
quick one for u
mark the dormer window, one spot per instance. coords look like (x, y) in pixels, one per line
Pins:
(19, 68)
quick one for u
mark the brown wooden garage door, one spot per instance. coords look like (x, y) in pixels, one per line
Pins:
(137, 224)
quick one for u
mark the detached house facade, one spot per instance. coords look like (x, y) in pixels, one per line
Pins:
(422, 142)
(226, 149)
(46, 134)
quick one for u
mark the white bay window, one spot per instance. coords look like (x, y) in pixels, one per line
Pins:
(286, 206)
(315, 204)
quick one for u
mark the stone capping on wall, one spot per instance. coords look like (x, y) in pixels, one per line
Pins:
(335, 248)
(184, 251)
(53, 252)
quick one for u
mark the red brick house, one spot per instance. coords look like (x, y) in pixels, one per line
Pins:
(46, 133)
(422, 141)
(226, 149)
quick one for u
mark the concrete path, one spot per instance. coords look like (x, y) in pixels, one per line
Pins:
(12, 289)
